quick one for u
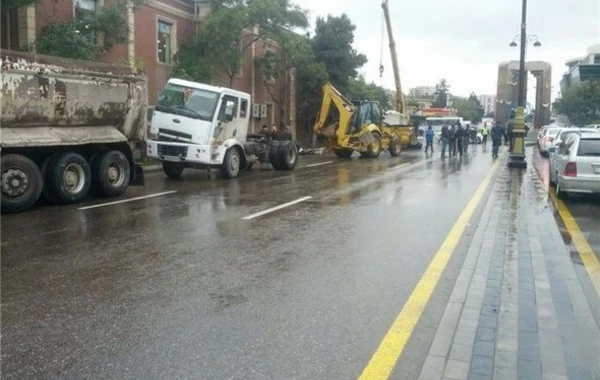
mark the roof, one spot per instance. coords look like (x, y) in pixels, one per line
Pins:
(207, 87)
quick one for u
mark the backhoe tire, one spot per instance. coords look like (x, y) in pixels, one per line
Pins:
(395, 147)
(343, 153)
(22, 183)
(231, 164)
(374, 149)
(70, 178)
(172, 170)
(110, 174)
(286, 156)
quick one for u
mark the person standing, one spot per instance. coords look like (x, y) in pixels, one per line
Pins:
(497, 134)
(459, 137)
(484, 134)
(452, 141)
(429, 139)
(466, 138)
(445, 139)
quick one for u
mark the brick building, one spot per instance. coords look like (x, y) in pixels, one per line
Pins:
(157, 29)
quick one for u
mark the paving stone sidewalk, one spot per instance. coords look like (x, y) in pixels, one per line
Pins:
(517, 310)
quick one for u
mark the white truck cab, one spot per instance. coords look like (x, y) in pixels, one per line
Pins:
(202, 126)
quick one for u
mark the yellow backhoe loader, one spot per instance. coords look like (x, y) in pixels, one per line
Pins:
(353, 126)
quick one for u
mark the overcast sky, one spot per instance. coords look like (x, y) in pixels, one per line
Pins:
(464, 40)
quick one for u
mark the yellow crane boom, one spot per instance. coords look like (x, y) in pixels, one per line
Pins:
(388, 23)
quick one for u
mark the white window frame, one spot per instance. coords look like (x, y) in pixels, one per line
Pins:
(173, 41)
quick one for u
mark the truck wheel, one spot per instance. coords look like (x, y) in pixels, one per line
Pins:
(231, 164)
(395, 147)
(286, 156)
(70, 178)
(22, 183)
(173, 170)
(341, 153)
(374, 148)
(111, 173)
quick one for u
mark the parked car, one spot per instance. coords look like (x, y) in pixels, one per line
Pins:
(560, 138)
(592, 126)
(578, 164)
(547, 139)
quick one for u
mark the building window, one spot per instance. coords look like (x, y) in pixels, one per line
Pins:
(597, 60)
(85, 7)
(165, 42)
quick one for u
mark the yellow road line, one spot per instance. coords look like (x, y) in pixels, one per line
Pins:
(385, 358)
(588, 257)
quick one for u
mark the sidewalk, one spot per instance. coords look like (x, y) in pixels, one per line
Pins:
(517, 310)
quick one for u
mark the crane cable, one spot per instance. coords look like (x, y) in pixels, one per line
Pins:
(381, 48)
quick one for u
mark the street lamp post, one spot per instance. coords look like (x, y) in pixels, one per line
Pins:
(517, 154)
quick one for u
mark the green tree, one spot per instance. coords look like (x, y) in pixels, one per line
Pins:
(359, 89)
(223, 39)
(468, 108)
(442, 90)
(332, 45)
(580, 103)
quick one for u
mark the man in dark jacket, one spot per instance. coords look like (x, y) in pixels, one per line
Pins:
(497, 134)
(445, 139)
(460, 139)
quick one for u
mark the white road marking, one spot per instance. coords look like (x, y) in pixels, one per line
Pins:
(128, 200)
(318, 164)
(400, 166)
(276, 208)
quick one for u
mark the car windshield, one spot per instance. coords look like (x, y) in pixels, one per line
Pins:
(589, 147)
(186, 101)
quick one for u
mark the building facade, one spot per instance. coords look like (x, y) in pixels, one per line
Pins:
(422, 92)
(156, 30)
(488, 102)
(582, 69)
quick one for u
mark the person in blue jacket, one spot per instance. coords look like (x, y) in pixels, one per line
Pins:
(497, 133)
(429, 139)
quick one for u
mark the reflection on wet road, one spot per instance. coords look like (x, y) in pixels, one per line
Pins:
(182, 286)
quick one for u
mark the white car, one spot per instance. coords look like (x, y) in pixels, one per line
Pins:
(560, 138)
(578, 164)
(547, 139)
(592, 126)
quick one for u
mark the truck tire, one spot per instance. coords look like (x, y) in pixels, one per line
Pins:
(286, 156)
(70, 178)
(172, 170)
(110, 174)
(231, 164)
(342, 153)
(374, 149)
(22, 183)
(395, 147)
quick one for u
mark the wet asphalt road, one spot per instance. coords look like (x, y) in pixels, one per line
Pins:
(180, 286)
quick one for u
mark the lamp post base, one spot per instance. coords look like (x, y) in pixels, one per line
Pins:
(517, 161)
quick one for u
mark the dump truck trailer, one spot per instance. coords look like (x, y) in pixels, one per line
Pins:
(68, 129)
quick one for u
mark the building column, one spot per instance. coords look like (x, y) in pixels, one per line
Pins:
(26, 22)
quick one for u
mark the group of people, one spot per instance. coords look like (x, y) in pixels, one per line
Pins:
(456, 138)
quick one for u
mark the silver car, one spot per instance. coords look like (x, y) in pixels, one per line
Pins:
(578, 164)
(562, 136)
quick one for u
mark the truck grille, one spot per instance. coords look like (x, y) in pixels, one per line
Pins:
(172, 150)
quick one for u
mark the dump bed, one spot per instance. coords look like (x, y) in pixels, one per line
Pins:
(52, 101)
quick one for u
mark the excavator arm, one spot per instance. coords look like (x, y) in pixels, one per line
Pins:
(344, 107)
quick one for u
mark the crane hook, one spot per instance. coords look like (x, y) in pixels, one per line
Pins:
(380, 71)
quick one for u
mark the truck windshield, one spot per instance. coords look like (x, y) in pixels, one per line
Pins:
(186, 101)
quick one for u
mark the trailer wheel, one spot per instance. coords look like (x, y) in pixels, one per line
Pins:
(286, 156)
(395, 147)
(374, 149)
(70, 178)
(172, 170)
(22, 183)
(111, 173)
(231, 164)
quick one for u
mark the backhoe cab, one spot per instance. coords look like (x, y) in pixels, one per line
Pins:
(353, 126)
